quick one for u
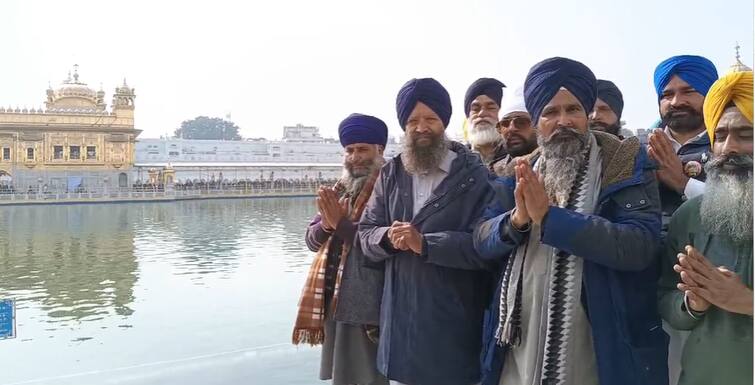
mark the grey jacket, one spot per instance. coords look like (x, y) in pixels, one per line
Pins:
(362, 281)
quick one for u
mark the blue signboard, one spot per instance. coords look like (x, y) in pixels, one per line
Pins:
(7, 319)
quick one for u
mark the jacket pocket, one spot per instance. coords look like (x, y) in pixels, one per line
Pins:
(631, 198)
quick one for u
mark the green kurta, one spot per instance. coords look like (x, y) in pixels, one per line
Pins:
(719, 348)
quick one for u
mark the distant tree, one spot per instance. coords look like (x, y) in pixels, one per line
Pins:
(203, 127)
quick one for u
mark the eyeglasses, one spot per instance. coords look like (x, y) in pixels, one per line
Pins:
(520, 122)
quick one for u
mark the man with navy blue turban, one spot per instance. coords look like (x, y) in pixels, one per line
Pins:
(340, 303)
(482, 103)
(419, 224)
(606, 116)
(681, 146)
(574, 230)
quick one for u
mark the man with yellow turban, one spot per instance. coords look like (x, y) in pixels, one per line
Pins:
(706, 287)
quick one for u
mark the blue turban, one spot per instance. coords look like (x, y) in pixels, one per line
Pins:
(609, 93)
(358, 128)
(428, 91)
(697, 71)
(547, 77)
(489, 87)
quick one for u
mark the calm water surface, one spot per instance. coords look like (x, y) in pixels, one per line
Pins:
(195, 292)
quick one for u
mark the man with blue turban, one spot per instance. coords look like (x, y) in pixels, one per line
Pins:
(681, 146)
(482, 103)
(419, 224)
(606, 116)
(575, 231)
(340, 301)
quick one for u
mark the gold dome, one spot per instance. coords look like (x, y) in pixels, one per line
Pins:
(738, 66)
(73, 96)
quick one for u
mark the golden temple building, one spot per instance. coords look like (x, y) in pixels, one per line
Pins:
(74, 143)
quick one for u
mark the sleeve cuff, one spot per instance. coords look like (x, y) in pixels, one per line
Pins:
(346, 229)
(694, 188)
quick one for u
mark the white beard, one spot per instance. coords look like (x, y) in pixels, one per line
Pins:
(483, 133)
(727, 205)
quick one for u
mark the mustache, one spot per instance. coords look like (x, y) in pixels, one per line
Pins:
(740, 161)
(669, 115)
(489, 121)
(563, 133)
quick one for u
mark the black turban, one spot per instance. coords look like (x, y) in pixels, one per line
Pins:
(428, 91)
(489, 87)
(609, 93)
(547, 77)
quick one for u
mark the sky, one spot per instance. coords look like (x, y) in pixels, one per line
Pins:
(275, 63)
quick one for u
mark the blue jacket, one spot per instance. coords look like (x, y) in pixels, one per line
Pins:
(432, 306)
(619, 244)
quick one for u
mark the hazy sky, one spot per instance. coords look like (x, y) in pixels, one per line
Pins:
(276, 63)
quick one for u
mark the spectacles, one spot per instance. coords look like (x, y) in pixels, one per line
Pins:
(520, 122)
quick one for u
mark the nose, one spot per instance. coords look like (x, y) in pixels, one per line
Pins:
(423, 127)
(593, 115)
(564, 119)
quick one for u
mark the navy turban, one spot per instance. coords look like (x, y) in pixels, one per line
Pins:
(358, 128)
(547, 77)
(609, 93)
(697, 71)
(428, 91)
(489, 87)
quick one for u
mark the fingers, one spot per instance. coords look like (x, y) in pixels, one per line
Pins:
(651, 153)
(697, 256)
(699, 272)
(698, 265)
(703, 293)
(726, 272)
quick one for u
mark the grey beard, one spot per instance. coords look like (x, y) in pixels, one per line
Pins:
(726, 207)
(353, 184)
(562, 156)
(421, 160)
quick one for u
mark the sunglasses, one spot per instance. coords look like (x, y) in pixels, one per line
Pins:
(520, 122)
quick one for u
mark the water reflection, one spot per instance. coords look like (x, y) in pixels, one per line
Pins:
(77, 262)
(97, 285)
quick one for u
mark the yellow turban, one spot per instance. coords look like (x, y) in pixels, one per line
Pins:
(736, 87)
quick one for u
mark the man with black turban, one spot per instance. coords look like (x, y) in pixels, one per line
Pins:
(481, 105)
(606, 116)
(340, 302)
(575, 232)
(419, 223)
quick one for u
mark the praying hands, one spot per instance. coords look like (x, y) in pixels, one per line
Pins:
(331, 208)
(706, 285)
(529, 195)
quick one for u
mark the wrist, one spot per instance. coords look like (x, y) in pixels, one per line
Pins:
(519, 222)
(538, 219)
(746, 303)
(682, 184)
